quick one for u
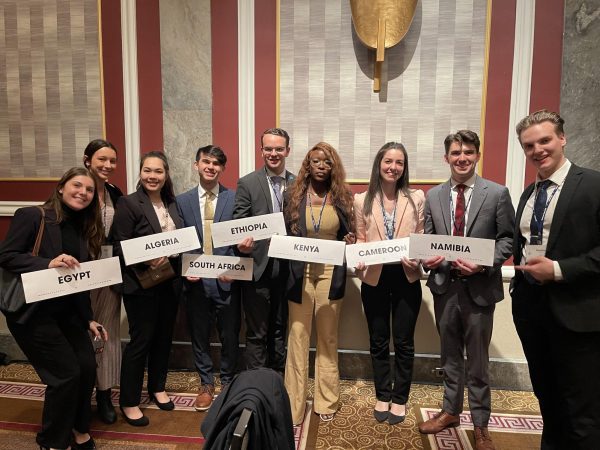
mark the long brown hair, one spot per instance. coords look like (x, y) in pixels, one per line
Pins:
(93, 231)
(341, 197)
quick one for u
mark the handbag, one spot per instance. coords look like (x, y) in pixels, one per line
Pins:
(152, 276)
(12, 296)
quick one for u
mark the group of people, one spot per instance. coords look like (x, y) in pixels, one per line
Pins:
(554, 240)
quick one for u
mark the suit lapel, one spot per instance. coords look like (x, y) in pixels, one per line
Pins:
(172, 208)
(149, 211)
(401, 204)
(194, 204)
(265, 187)
(477, 198)
(562, 205)
(444, 198)
(378, 216)
(518, 238)
(222, 200)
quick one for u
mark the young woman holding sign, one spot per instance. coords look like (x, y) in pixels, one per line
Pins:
(150, 310)
(53, 333)
(389, 209)
(319, 206)
(100, 157)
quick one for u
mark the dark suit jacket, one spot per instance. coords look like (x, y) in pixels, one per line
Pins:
(296, 276)
(188, 205)
(574, 241)
(253, 198)
(135, 217)
(15, 255)
(491, 216)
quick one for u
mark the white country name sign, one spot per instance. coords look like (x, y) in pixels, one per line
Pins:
(50, 283)
(475, 250)
(307, 249)
(145, 248)
(377, 252)
(235, 231)
(213, 266)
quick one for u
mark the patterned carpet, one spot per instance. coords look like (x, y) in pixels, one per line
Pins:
(515, 424)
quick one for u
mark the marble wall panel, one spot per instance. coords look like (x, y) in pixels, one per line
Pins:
(185, 39)
(580, 91)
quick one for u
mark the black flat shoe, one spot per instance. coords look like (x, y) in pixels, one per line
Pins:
(167, 406)
(141, 422)
(106, 410)
(380, 416)
(393, 419)
(87, 445)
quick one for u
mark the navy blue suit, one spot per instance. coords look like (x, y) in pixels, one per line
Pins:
(209, 299)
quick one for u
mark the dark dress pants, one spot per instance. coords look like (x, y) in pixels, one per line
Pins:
(266, 314)
(207, 304)
(151, 320)
(59, 348)
(564, 368)
(465, 325)
(396, 296)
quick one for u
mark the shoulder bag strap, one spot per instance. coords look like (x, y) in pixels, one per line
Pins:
(40, 233)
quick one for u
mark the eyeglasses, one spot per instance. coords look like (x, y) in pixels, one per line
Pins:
(274, 149)
(317, 162)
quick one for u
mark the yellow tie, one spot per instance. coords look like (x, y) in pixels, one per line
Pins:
(209, 215)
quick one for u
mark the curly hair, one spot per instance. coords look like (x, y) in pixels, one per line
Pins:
(340, 194)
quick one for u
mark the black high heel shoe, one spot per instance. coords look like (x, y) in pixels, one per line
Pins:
(141, 422)
(106, 410)
(87, 445)
(167, 406)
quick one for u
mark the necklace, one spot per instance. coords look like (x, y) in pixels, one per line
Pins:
(390, 224)
(317, 225)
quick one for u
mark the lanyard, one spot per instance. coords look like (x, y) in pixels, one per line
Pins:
(466, 209)
(539, 223)
(317, 226)
(276, 192)
(390, 225)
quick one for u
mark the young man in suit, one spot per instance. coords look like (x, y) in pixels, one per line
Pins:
(262, 192)
(464, 293)
(210, 300)
(556, 293)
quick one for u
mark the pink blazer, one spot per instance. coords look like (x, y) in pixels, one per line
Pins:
(372, 228)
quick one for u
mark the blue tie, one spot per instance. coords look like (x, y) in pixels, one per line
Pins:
(536, 226)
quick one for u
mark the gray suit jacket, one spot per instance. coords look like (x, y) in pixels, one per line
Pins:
(188, 205)
(491, 216)
(253, 198)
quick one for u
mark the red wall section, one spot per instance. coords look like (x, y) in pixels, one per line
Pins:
(149, 75)
(225, 84)
(547, 62)
(497, 112)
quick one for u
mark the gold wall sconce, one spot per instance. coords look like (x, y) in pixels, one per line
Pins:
(381, 24)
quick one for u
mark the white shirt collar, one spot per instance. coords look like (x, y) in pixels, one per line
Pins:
(469, 183)
(214, 190)
(559, 175)
(270, 173)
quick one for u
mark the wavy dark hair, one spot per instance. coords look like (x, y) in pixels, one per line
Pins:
(341, 197)
(167, 193)
(93, 231)
(375, 181)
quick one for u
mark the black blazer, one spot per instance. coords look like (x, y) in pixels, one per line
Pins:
(296, 276)
(253, 198)
(113, 192)
(15, 255)
(574, 241)
(135, 217)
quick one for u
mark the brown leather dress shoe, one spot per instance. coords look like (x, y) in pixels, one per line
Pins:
(441, 421)
(205, 397)
(483, 441)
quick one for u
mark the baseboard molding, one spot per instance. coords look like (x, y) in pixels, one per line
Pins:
(504, 374)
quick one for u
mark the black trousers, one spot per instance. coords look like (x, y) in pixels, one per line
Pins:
(563, 366)
(207, 304)
(266, 314)
(59, 348)
(396, 296)
(151, 320)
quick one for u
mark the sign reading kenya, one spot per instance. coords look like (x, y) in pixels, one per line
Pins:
(307, 249)
(233, 232)
(213, 266)
(50, 283)
(145, 248)
(475, 250)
